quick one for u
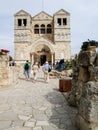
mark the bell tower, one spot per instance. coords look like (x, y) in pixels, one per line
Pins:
(62, 33)
(22, 35)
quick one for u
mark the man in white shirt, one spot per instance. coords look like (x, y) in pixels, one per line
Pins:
(45, 70)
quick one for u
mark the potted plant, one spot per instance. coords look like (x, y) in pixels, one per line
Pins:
(90, 44)
(4, 52)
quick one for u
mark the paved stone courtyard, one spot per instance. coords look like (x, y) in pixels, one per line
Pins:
(35, 106)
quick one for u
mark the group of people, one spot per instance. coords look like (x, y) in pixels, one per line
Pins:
(35, 68)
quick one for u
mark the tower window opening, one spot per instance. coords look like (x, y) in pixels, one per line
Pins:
(43, 25)
(36, 29)
(42, 29)
(49, 25)
(24, 22)
(49, 29)
(64, 21)
(19, 22)
(36, 26)
(59, 21)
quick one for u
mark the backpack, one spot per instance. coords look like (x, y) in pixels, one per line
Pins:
(26, 66)
(49, 69)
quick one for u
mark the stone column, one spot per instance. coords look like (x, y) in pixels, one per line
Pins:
(32, 60)
(52, 58)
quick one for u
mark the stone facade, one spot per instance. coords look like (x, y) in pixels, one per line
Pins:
(8, 75)
(41, 37)
(84, 92)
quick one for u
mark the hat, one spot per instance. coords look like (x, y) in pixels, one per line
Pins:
(46, 62)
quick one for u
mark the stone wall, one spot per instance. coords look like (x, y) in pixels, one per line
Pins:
(8, 74)
(84, 92)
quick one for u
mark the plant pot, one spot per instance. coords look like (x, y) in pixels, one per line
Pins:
(91, 48)
(65, 85)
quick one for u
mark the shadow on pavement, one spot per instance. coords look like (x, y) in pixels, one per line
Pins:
(61, 115)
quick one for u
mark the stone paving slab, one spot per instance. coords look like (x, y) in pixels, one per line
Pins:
(4, 124)
(35, 106)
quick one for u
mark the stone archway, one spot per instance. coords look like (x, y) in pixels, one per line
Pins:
(41, 51)
(41, 54)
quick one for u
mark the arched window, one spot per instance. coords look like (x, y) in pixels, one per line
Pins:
(49, 25)
(24, 22)
(19, 22)
(36, 26)
(43, 25)
(49, 28)
(36, 29)
(43, 29)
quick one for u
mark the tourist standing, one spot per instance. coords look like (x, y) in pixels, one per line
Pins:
(27, 70)
(35, 68)
(45, 68)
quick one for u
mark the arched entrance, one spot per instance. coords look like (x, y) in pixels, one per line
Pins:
(42, 59)
(42, 51)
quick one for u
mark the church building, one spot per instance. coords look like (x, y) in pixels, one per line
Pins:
(42, 37)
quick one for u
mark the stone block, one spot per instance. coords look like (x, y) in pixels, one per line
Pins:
(86, 58)
(84, 74)
(82, 124)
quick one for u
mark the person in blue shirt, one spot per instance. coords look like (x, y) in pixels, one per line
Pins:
(45, 68)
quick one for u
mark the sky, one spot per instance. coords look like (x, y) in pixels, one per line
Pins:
(83, 19)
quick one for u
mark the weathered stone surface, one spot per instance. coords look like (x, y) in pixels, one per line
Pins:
(4, 124)
(84, 92)
(89, 102)
(9, 115)
(48, 128)
(39, 115)
(37, 128)
(57, 74)
(24, 118)
(22, 128)
(42, 123)
(86, 58)
(16, 123)
(8, 75)
(82, 124)
(29, 124)
(83, 74)
(96, 73)
(3, 61)
(4, 107)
